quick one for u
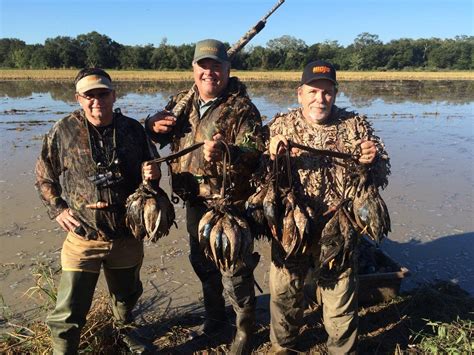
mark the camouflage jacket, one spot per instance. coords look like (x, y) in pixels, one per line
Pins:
(238, 120)
(69, 151)
(319, 179)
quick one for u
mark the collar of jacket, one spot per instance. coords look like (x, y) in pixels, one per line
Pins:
(234, 88)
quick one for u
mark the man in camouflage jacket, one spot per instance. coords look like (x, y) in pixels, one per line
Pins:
(220, 110)
(319, 124)
(98, 153)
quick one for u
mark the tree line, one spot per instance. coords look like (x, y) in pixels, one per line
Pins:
(367, 52)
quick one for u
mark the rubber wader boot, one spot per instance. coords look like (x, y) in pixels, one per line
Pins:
(245, 323)
(125, 288)
(214, 306)
(74, 299)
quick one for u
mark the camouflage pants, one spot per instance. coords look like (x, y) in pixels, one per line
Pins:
(238, 284)
(340, 318)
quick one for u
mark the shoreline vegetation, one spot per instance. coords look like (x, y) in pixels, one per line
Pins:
(265, 76)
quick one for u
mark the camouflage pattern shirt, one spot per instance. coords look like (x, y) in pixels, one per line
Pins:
(234, 116)
(71, 151)
(322, 180)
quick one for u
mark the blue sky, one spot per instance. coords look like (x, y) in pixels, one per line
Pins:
(143, 22)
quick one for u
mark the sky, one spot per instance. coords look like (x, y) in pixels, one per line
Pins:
(142, 22)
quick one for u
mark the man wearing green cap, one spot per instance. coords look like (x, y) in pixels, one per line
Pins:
(324, 187)
(220, 110)
(90, 162)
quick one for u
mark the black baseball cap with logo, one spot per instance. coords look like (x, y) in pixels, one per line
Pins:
(317, 70)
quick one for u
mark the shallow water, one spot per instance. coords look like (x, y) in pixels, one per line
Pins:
(427, 128)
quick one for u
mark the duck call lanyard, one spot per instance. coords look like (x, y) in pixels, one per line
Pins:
(105, 159)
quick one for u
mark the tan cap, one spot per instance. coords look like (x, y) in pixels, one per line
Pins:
(93, 81)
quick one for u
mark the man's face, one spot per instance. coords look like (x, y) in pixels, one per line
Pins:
(211, 78)
(97, 105)
(317, 99)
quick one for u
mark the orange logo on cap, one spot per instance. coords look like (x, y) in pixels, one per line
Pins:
(321, 69)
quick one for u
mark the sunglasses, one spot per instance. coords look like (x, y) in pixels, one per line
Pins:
(99, 96)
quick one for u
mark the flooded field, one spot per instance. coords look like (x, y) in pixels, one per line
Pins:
(427, 128)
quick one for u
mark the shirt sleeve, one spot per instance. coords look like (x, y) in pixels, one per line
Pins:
(248, 143)
(379, 170)
(48, 171)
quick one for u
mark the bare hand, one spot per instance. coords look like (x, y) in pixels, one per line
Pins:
(151, 171)
(161, 122)
(275, 144)
(213, 149)
(368, 152)
(67, 221)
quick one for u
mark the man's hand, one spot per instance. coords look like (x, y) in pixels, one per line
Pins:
(161, 122)
(213, 149)
(275, 144)
(151, 171)
(368, 152)
(67, 221)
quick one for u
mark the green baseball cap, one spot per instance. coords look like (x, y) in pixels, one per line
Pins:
(210, 48)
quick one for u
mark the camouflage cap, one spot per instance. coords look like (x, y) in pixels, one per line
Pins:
(210, 48)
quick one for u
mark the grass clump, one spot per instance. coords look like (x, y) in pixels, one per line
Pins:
(98, 336)
(448, 338)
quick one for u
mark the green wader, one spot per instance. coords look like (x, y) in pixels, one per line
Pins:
(75, 293)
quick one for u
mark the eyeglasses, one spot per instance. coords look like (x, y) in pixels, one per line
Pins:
(99, 96)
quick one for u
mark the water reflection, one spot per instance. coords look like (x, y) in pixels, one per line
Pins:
(283, 94)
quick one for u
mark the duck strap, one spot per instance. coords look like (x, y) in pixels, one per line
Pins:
(226, 169)
(178, 154)
(323, 152)
(276, 169)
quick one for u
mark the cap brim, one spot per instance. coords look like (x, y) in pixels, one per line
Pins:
(92, 82)
(315, 79)
(98, 86)
(209, 56)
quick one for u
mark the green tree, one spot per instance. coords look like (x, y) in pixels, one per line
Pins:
(7, 47)
(367, 52)
(100, 50)
(64, 52)
(136, 57)
(289, 52)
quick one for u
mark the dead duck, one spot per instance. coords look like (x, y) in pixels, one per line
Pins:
(149, 212)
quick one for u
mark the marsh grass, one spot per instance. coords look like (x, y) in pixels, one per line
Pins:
(448, 338)
(98, 335)
(151, 75)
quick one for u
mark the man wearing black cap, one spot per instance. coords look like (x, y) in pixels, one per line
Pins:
(323, 184)
(90, 162)
(220, 110)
